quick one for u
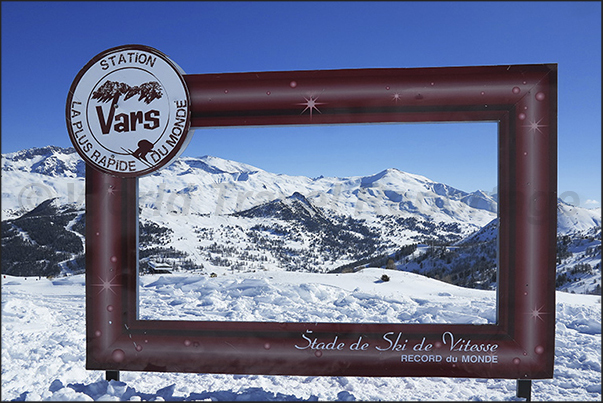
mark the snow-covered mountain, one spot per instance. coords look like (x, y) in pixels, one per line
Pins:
(214, 215)
(211, 185)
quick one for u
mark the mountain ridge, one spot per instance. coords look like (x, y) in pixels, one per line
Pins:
(211, 214)
(225, 186)
(403, 192)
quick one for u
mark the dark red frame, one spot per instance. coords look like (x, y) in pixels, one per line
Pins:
(521, 98)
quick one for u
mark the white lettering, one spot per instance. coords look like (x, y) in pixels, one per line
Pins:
(474, 359)
(320, 345)
(419, 358)
(467, 345)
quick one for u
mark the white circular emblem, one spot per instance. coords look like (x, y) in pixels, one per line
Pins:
(128, 111)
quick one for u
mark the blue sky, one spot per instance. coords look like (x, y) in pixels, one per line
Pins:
(45, 44)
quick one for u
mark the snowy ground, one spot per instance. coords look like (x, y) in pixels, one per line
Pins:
(280, 296)
(43, 337)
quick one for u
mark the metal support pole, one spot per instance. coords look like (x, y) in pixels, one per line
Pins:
(112, 375)
(524, 389)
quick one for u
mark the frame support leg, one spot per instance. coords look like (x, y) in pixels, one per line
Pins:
(524, 389)
(112, 375)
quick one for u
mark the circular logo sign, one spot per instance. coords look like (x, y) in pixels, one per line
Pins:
(128, 111)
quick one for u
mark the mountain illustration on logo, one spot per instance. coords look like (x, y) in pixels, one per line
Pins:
(112, 90)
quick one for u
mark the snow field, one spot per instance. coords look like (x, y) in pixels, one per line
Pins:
(43, 337)
(302, 297)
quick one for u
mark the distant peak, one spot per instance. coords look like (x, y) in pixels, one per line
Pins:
(390, 170)
(298, 196)
(226, 165)
(41, 151)
(392, 173)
